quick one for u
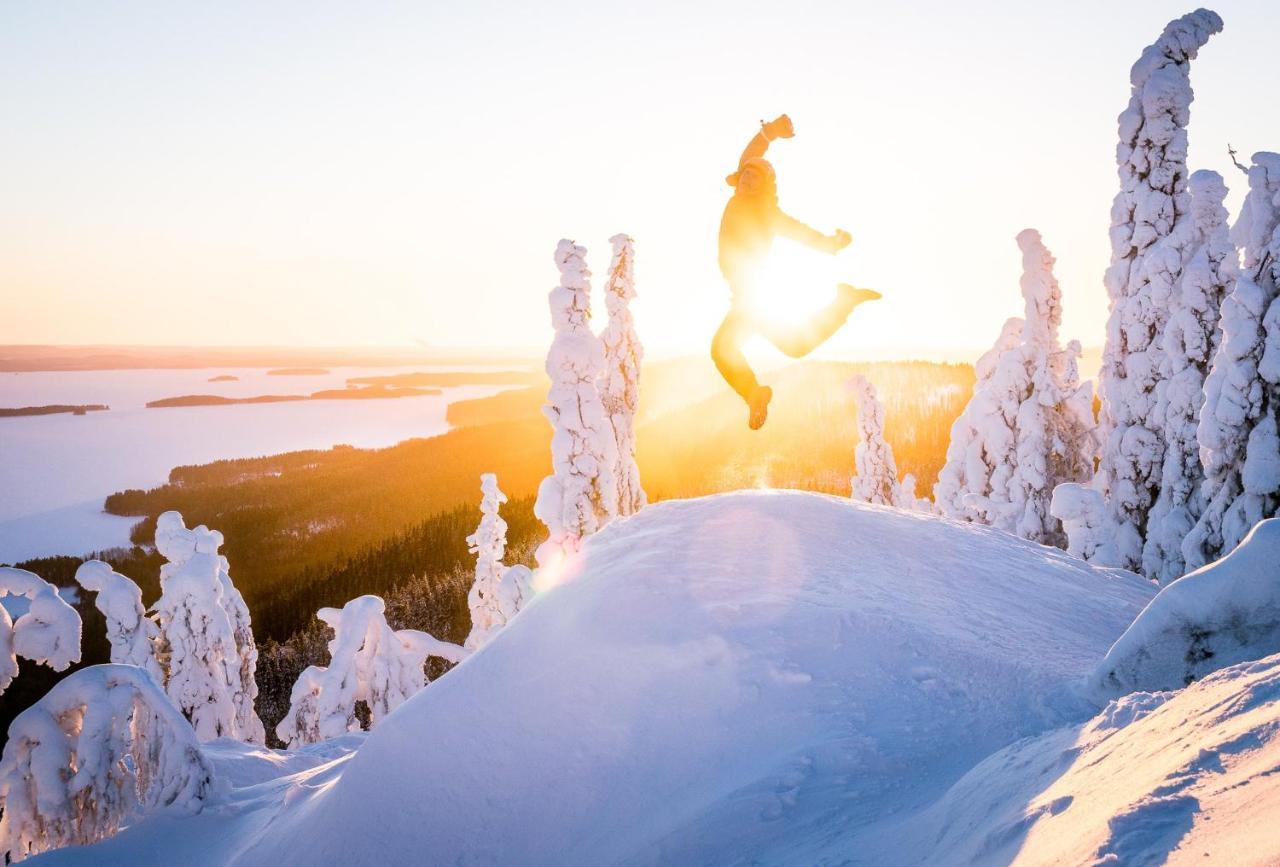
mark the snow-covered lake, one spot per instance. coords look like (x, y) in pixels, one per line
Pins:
(55, 470)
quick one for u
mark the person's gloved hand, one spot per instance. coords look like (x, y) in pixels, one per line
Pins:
(840, 240)
(779, 127)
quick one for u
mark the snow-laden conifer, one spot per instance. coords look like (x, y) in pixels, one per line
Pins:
(1239, 446)
(1152, 165)
(581, 493)
(620, 381)
(1029, 425)
(1189, 343)
(368, 662)
(48, 633)
(130, 632)
(489, 608)
(876, 478)
(199, 622)
(101, 748)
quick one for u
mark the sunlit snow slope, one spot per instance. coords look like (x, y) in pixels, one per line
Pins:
(760, 676)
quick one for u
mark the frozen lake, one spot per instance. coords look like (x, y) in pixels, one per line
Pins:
(55, 470)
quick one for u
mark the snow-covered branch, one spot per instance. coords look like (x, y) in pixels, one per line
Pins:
(130, 632)
(48, 633)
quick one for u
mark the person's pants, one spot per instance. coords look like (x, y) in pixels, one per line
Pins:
(795, 340)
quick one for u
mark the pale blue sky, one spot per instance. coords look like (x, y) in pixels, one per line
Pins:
(324, 173)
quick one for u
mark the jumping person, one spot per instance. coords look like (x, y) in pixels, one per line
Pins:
(751, 220)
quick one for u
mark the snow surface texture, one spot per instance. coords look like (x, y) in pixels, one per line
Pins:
(876, 480)
(1157, 778)
(836, 667)
(129, 631)
(101, 747)
(205, 643)
(1151, 204)
(620, 380)
(1029, 425)
(1221, 614)
(1238, 440)
(1188, 346)
(369, 662)
(581, 494)
(48, 633)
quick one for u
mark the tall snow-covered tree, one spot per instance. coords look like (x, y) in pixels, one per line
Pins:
(1152, 163)
(130, 632)
(966, 468)
(581, 494)
(620, 381)
(48, 633)
(1029, 425)
(99, 749)
(198, 624)
(246, 692)
(489, 544)
(369, 662)
(1189, 343)
(876, 479)
(1239, 446)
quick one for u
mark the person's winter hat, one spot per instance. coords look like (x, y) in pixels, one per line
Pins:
(758, 164)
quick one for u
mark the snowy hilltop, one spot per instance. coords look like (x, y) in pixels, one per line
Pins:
(772, 675)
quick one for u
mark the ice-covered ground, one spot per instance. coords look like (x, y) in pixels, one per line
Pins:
(55, 470)
(761, 676)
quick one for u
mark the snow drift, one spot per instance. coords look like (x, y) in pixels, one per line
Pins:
(1221, 614)
(774, 676)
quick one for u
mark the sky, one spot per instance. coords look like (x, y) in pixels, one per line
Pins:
(369, 174)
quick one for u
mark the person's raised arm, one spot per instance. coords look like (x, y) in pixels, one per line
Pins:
(789, 227)
(779, 127)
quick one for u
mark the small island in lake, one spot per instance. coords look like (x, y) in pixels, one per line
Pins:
(53, 409)
(226, 377)
(298, 371)
(370, 393)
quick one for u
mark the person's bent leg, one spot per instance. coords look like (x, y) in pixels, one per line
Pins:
(801, 339)
(726, 352)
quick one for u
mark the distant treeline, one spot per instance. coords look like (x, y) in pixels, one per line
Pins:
(54, 409)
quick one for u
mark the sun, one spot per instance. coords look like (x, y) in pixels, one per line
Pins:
(793, 284)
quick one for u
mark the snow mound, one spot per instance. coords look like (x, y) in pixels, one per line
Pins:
(1221, 614)
(757, 675)
(1172, 777)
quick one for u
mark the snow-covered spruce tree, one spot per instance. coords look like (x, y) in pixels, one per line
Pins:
(489, 544)
(1029, 425)
(47, 634)
(1188, 345)
(246, 694)
(966, 468)
(369, 662)
(130, 632)
(1152, 163)
(197, 646)
(620, 380)
(876, 479)
(580, 495)
(1238, 439)
(102, 747)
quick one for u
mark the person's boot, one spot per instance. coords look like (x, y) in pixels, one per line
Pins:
(853, 296)
(759, 404)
